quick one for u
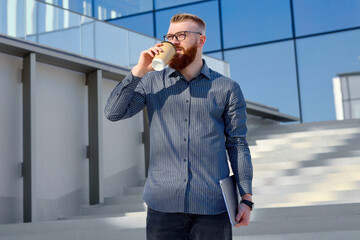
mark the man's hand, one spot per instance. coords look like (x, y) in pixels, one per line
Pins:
(243, 213)
(145, 59)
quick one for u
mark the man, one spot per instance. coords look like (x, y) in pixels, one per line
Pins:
(195, 116)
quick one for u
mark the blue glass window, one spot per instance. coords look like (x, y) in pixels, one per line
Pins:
(314, 16)
(167, 3)
(253, 21)
(320, 60)
(80, 6)
(110, 9)
(208, 11)
(111, 44)
(217, 55)
(83, 7)
(267, 75)
(58, 28)
(140, 23)
(13, 18)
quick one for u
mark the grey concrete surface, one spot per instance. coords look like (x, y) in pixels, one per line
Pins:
(313, 222)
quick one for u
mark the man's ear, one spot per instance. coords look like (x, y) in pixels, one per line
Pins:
(202, 40)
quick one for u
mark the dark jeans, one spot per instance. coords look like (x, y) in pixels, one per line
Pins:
(184, 226)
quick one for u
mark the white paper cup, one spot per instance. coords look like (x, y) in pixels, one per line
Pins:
(163, 58)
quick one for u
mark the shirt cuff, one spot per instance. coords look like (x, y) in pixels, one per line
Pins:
(245, 187)
(131, 81)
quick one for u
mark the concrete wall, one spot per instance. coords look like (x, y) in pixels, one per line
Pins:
(10, 139)
(62, 137)
(124, 163)
(61, 132)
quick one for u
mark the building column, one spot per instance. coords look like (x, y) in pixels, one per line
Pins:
(95, 149)
(146, 140)
(29, 140)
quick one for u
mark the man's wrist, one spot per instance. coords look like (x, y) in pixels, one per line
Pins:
(248, 203)
(246, 199)
(137, 72)
(247, 196)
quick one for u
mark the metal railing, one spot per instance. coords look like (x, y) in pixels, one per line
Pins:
(63, 29)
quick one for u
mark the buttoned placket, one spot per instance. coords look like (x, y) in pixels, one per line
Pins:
(185, 141)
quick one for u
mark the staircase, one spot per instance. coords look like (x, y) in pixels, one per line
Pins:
(129, 203)
(306, 164)
(306, 186)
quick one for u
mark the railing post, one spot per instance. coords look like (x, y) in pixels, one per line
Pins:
(95, 150)
(29, 140)
(146, 140)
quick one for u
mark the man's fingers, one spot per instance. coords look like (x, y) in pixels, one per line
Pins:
(239, 214)
(243, 217)
(159, 49)
(150, 53)
(243, 222)
(154, 51)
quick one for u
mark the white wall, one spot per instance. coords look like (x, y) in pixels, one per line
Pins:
(123, 149)
(62, 137)
(61, 133)
(338, 98)
(10, 139)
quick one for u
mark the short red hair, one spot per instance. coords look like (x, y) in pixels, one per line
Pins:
(180, 17)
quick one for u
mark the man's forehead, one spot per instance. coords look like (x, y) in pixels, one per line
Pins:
(183, 26)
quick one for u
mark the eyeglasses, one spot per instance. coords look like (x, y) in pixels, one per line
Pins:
(180, 36)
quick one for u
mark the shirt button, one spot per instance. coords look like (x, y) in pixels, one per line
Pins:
(184, 180)
(184, 159)
(187, 101)
(186, 120)
(185, 139)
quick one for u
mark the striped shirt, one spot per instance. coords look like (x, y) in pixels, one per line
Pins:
(193, 124)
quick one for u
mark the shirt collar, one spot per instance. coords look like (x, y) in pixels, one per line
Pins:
(205, 71)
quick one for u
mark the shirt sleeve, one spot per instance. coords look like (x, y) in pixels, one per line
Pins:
(236, 144)
(126, 100)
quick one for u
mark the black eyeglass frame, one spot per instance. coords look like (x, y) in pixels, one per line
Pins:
(174, 35)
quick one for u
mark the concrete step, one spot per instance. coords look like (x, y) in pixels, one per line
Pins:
(129, 227)
(311, 198)
(127, 199)
(111, 215)
(330, 210)
(137, 190)
(310, 141)
(314, 142)
(347, 132)
(326, 179)
(350, 150)
(354, 154)
(320, 141)
(262, 132)
(272, 175)
(313, 228)
(301, 167)
(102, 209)
(324, 184)
(313, 222)
(334, 235)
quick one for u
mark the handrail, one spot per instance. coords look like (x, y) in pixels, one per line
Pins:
(64, 29)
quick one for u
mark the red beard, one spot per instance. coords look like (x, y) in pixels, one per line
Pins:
(181, 61)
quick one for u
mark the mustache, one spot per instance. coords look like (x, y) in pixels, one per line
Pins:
(180, 48)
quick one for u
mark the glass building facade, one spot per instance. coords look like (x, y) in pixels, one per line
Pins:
(284, 53)
(347, 95)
